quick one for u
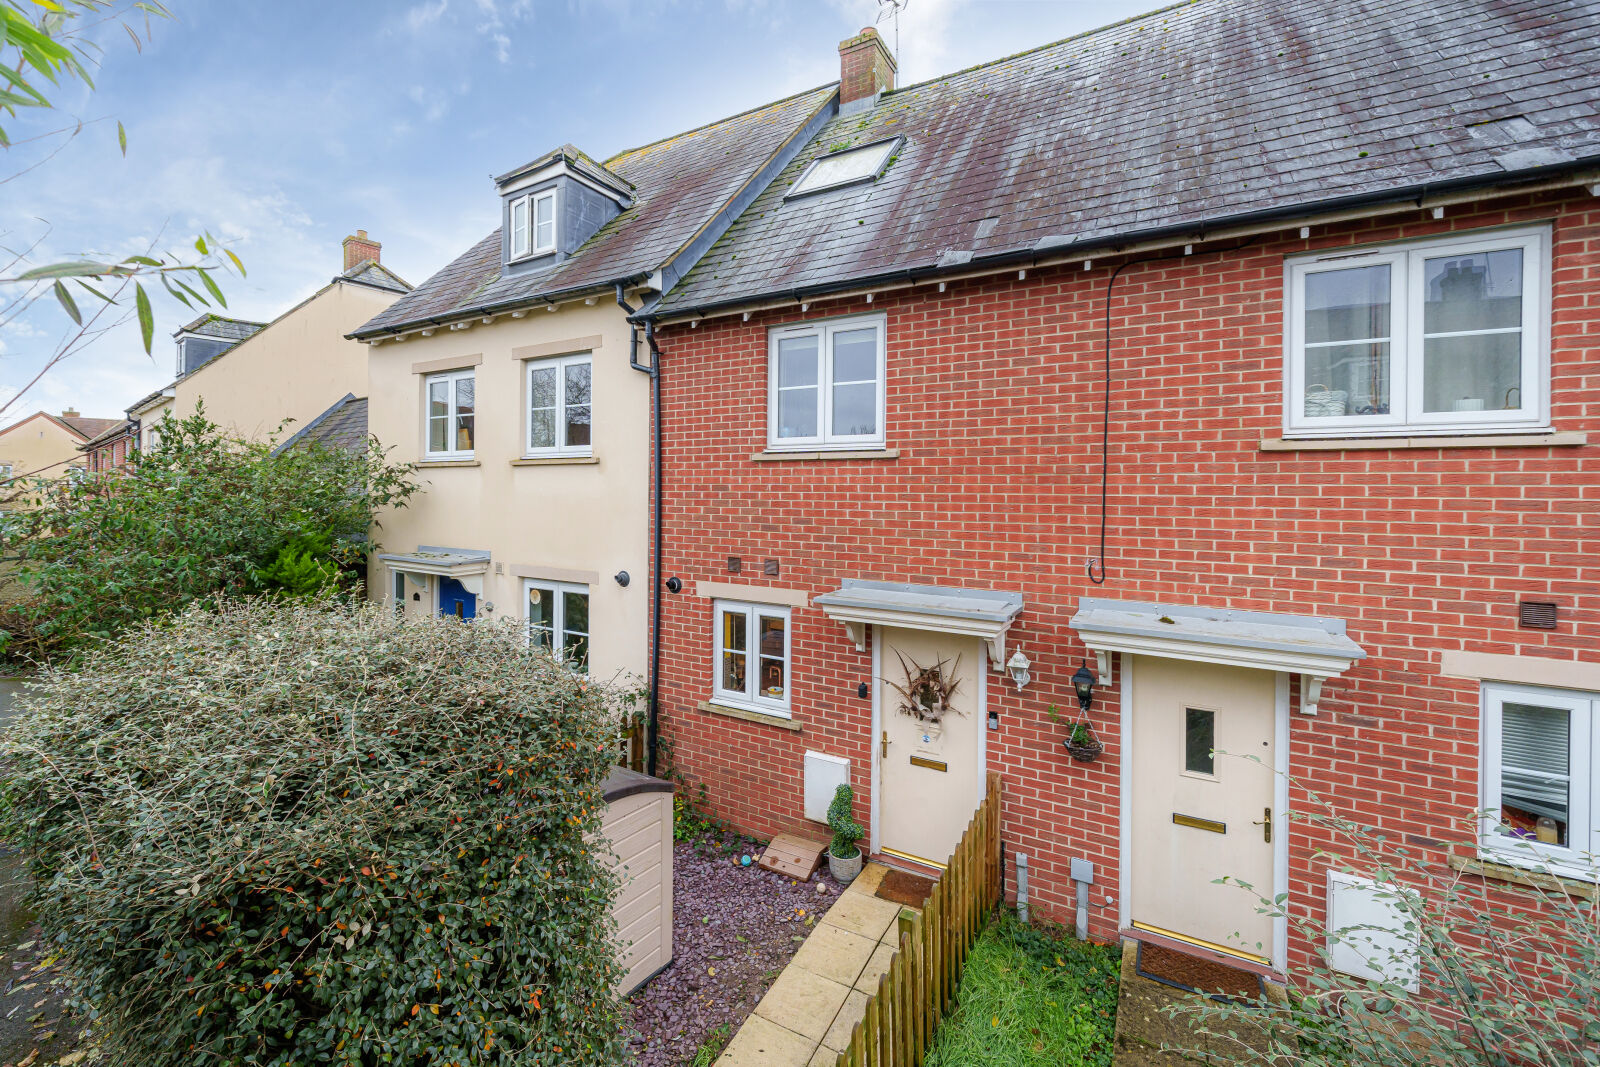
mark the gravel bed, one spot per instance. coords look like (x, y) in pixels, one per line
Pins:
(733, 930)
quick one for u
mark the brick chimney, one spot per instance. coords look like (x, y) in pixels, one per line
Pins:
(359, 247)
(70, 413)
(865, 69)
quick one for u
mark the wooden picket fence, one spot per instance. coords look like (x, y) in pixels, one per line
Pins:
(920, 985)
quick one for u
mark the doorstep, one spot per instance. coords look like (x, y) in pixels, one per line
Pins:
(806, 1018)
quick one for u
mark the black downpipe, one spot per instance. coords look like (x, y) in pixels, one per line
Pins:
(653, 368)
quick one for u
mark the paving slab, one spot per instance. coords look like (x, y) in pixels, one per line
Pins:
(844, 1024)
(868, 881)
(762, 1043)
(836, 953)
(876, 967)
(863, 914)
(803, 1002)
(824, 1057)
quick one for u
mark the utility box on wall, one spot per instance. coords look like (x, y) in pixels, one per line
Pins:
(824, 774)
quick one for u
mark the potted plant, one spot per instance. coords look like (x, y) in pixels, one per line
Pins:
(1081, 743)
(844, 858)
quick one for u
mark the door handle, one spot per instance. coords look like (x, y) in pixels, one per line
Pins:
(1265, 824)
(885, 750)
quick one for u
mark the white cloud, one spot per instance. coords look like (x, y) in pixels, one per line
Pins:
(425, 15)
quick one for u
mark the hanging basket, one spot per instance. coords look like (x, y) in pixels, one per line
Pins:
(1086, 752)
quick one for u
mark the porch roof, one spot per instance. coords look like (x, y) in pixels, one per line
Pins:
(1314, 646)
(984, 613)
(446, 562)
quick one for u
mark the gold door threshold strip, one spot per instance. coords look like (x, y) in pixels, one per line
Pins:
(1201, 943)
(913, 857)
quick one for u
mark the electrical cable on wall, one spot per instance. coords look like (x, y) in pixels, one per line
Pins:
(1099, 561)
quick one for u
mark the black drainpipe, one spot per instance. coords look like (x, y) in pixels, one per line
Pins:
(653, 369)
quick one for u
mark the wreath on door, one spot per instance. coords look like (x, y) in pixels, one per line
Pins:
(928, 691)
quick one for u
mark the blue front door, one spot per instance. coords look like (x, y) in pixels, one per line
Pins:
(455, 600)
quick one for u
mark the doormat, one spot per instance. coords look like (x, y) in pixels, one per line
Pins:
(1183, 971)
(903, 888)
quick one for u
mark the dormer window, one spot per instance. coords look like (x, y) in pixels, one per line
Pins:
(846, 167)
(533, 224)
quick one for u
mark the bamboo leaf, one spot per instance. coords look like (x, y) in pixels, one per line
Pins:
(200, 244)
(167, 281)
(238, 264)
(95, 291)
(143, 261)
(64, 298)
(147, 320)
(211, 286)
(70, 269)
(122, 139)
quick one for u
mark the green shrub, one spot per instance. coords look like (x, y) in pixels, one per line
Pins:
(841, 819)
(206, 513)
(303, 567)
(288, 832)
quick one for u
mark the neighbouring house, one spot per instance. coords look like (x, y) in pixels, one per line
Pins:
(260, 379)
(1237, 363)
(111, 448)
(516, 382)
(46, 446)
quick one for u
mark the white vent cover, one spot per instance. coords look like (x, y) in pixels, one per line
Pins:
(1367, 930)
(824, 775)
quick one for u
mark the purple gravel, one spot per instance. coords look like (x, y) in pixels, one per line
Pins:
(743, 922)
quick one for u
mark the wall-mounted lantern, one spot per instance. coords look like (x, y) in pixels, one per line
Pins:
(1083, 684)
(1017, 666)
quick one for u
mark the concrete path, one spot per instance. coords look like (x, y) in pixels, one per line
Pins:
(806, 1017)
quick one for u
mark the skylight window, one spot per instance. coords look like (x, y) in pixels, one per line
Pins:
(845, 168)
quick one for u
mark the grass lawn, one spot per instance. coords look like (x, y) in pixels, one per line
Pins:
(1031, 994)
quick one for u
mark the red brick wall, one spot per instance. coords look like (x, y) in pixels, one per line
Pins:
(994, 403)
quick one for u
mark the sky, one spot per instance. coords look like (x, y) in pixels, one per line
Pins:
(282, 127)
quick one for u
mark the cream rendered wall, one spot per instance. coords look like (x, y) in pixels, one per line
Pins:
(560, 520)
(294, 368)
(40, 444)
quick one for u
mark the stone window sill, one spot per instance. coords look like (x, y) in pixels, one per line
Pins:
(556, 461)
(1559, 439)
(428, 464)
(795, 457)
(750, 716)
(1505, 872)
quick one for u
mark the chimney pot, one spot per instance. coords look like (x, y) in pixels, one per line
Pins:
(865, 68)
(358, 248)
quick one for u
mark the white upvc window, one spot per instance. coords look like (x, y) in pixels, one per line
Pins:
(533, 224)
(397, 591)
(1541, 759)
(750, 656)
(557, 617)
(1447, 335)
(450, 414)
(826, 384)
(560, 408)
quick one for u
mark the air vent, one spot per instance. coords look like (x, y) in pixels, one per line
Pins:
(1536, 615)
(735, 564)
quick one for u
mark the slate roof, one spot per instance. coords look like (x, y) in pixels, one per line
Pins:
(87, 428)
(344, 425)
(371, 272)
(209, 325)
(117, 428)
(1190, 115)
(678, 183)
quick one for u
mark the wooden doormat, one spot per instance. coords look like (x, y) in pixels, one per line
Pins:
(904, 888)
(1183, 971)
(792, 856)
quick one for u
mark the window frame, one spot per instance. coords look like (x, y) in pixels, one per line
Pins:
(560, 365)
(529, 203)
(558, 620)
(397, 591)
(1406, 345)
(751, 699)
(889, 146)
(1583, 821)
(453, 413)
(825, 330)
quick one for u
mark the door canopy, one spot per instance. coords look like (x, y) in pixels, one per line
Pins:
(1311, 646)
(983, 613)
(465, 565)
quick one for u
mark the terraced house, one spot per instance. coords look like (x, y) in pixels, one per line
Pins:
(516, 382)
(1212, 392)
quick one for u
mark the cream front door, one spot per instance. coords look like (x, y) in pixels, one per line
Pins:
(929, 775)
(1202, 747)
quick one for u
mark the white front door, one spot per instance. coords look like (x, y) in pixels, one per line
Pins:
(930, 775)
(1202, 743)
